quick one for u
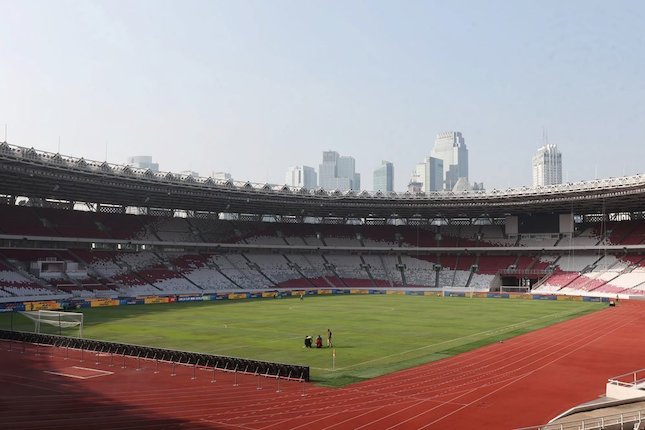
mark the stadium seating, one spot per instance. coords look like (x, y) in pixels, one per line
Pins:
(126, 272)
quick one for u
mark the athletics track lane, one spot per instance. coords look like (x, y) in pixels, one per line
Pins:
(522, 381)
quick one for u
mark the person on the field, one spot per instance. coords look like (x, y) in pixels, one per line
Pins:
(329, 342)
(319, 342)
(308, 340)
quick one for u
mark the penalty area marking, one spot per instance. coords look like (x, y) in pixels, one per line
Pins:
(78, 372)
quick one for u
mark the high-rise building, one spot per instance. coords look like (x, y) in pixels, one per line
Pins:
(301, 177)
(221, 176)
(415, 187)
(338, 172)
(450, 147)
(547, 166)
(430, 174)
(384, 177)
(434, 174)
(143, 162)
(327, 170)
(189, 173)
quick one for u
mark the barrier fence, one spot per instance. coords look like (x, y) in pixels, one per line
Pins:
(629, 379)
(219, 362)
(625, 421)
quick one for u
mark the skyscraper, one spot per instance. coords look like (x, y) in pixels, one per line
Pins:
(338, 172)
(384, 177)
(301, 177)
(547, 166)
(451, 148)
(143, 162)
(327, 170)
(221, 176)
(430, 174)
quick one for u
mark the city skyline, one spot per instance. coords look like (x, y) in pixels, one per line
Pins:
(253, 88)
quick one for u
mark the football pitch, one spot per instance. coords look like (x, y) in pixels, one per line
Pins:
(372, 334)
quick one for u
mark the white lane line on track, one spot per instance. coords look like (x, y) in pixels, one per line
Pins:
(465, 392)
(496, 330)
(519, 378)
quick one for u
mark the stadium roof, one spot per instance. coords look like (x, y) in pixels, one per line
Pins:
(33, 173)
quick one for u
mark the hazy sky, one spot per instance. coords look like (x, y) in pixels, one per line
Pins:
(253, 87)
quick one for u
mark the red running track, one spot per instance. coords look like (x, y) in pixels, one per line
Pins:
(523, 381)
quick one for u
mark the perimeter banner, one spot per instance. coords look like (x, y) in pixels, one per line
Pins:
(432, 293)
(453, 294)
(595, 299)
(10, 307)
(99, 303)
(570, 298)
(130, 301)
(520, 296)
(190, 298)
(543, 297)
(155, 300)
(46, 305)
(414, 293)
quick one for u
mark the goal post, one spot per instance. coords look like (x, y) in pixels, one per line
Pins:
(514, 289)
(58, 319)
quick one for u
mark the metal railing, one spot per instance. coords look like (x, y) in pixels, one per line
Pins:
(629, 379)
(219, 362)
(623, 421)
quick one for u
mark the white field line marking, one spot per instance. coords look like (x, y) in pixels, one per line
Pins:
(89, 369)
(428, 400)
(517, 379)
(496, 330)
(99, 373)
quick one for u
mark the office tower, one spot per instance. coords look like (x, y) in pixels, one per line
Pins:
(430, 174)
(189, 173)
(143, 162)
(434, 174)
(415, 187)
(302, 177)
(547, 166)
(327, 170)
(451, 148)
(338, 172)
(384, 177)
(221, 176)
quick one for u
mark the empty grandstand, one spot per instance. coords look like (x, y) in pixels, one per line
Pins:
(79, 229)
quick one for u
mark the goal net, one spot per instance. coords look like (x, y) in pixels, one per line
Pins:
(515, 289)
(56, 322)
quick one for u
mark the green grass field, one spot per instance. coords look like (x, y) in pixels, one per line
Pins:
(373, 334)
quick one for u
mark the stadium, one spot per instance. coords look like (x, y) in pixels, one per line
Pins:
(135, 299)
